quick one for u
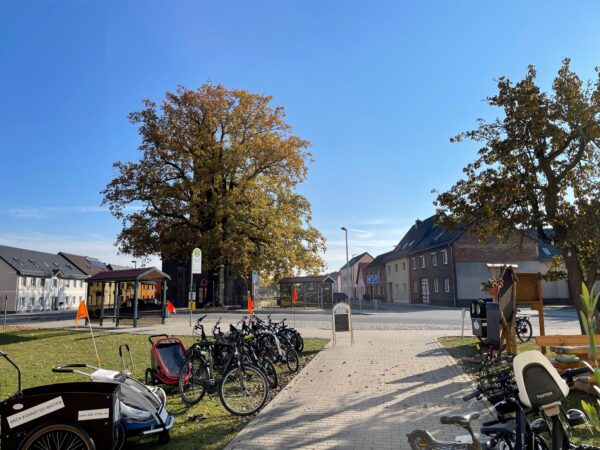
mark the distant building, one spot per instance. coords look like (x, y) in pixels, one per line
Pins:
(376, 269)
(37, 281)
(348, 272)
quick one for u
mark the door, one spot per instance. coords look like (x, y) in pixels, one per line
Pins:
(425, 290)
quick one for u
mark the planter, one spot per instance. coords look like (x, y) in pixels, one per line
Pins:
(493, 291)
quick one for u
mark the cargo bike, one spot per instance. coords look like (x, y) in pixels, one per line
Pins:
(63, 416)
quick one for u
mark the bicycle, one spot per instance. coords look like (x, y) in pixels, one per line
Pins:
(524, 329)
(243, 388)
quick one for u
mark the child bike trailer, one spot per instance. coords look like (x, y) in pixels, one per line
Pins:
(167, 356)
(143, 408)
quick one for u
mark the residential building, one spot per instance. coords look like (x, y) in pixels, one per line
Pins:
(447, 267)
(348, 274)
(361, 280)
(376, 269)
(38, 281)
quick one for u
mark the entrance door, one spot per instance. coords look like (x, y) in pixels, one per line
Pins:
(425, 290)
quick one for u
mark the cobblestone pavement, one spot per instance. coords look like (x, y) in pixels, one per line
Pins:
(369, 395)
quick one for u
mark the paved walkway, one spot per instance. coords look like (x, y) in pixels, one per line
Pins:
(369, 395)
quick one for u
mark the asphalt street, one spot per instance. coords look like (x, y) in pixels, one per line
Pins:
(561, 321)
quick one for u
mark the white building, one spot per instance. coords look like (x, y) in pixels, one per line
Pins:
(349, 273)
(37, 281)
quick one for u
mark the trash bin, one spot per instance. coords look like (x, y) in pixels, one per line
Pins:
(478, 313)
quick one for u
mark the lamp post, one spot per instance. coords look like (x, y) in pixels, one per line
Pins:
(354, 289)
(134, 264)
(347, 264)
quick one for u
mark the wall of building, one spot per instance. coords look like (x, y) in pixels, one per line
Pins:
(470, 275)
(346, 274)
(44, 293)
(436, 268)
(8, 287)
(398, 280)
(469, 247)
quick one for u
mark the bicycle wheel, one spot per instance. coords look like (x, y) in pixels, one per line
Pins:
(270, 372)
(59, 437)
(193, 379)
(245, 391)
(269, 345)
(299, 342)
(291, 360)
(524, 330)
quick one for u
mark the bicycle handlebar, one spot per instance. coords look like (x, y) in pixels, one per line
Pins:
(68, 368)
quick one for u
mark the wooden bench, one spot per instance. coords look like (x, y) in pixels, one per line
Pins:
(577, 345)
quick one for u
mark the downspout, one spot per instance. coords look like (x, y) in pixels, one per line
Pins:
(455, 290)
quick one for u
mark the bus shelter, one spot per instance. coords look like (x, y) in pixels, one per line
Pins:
(129, 293)
(311, 292)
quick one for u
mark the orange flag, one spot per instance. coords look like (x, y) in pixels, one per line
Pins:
(250, 304)
(294, 296)
(82, 312)
(170, 307)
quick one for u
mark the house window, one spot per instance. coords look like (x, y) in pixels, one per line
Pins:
(397, 288)
(436, 287)
(54, 282)
(32, 302)
(434, 259)
(444, 257)
(396, 267)
(403, 266)
(414, 263)
(415, 287)
(68, 283)
(422, 259)
(446, 285)
(43, 281)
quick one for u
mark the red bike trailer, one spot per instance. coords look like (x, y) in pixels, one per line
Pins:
(167, 355)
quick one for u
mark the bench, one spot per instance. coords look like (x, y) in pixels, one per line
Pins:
(577, 345)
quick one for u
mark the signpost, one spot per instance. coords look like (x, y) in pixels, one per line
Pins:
(196, 268)
(373, 280)
(341, 320)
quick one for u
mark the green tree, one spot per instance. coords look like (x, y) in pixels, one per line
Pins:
(219, 170)
(538, 168)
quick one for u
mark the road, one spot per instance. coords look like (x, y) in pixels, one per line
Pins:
(318, 322)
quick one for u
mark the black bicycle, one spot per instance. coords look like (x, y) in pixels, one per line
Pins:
(220, 366)
(524, 329)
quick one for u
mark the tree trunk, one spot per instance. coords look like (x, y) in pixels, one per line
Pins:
(574, 280)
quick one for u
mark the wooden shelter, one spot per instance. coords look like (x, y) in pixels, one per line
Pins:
(125, 297)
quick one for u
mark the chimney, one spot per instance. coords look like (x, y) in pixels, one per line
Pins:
(418, 222)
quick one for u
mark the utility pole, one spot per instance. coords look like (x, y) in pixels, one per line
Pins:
(347, 265)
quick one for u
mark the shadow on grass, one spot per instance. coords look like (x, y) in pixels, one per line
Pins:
(26, 336)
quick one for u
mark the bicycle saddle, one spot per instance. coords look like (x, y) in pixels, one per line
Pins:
(459, 419)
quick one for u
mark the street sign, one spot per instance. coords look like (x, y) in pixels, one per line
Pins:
(196, 261)
(254, 276)
(203, 282)
(372, 279)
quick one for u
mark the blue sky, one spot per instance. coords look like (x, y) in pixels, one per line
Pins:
(377, 87)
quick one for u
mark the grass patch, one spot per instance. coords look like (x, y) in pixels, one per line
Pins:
(466, 349)
(37, 351)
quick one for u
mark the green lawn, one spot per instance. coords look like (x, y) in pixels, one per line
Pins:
(37, 351)
(469, 348)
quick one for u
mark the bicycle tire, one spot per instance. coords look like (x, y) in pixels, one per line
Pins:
(192, 379)
(524, 330)
(246, 399)
(270, 372)
(300, 343)
(292, 360)
(59, 436)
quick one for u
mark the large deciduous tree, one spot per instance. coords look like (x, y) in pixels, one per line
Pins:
(538, 168)
(219, 170)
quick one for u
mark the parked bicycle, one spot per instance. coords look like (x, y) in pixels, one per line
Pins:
(524, 329)
(526, 398)
(219, 366)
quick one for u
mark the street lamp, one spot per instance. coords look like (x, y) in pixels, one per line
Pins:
(354, 278)
(347, 263)
(134, 264)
